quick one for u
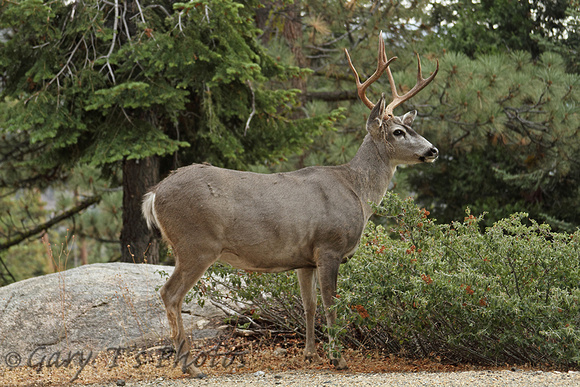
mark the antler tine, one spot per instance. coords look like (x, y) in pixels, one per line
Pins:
(420, 85)
(382, 65)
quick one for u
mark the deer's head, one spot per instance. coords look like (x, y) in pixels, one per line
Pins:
(403, 144)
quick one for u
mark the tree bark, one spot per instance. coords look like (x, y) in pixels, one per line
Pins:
(292, 32)
(138, 243)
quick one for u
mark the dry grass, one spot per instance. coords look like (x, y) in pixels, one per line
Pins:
(261, 355)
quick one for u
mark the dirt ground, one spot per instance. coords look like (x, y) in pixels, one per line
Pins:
(232, 356)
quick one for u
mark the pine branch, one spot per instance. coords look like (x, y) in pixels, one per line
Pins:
(253, 108)
(112, 47)
(57, 219)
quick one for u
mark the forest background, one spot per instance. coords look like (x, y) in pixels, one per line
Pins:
(101, 99)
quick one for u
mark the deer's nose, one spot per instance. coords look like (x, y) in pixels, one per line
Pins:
(433, 152)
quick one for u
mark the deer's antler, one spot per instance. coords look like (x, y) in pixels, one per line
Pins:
(420, 85)
(383, 64)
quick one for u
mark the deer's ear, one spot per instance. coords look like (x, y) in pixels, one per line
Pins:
(375, 120)
(409, 117)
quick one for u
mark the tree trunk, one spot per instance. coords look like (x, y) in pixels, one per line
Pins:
(138, 243)
(293, 34)
(84, 253)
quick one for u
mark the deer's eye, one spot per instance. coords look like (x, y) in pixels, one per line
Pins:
(398, 133)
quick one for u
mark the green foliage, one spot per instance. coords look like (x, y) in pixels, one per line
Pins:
(494, 26)
(505, 120)
(509, 294)
(503, 125)
(97, 88)
(566, 39)
(17, 211)
(88, 237)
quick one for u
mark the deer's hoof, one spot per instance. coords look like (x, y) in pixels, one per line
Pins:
(312, 358)
(339, 364)
(195, 373)
(200, 375)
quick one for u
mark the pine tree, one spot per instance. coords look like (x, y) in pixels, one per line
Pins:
(508, 111)
(494, 26)
(507, 127)
(120, 85)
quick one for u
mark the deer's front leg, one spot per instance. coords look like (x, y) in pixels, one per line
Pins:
(327, 278)
(307, 281)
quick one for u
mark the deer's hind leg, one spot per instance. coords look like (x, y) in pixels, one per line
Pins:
(189, 268)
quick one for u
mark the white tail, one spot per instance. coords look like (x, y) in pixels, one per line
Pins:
(148, 209)
(308, 220)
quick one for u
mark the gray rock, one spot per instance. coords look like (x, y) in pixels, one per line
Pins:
(92, 308)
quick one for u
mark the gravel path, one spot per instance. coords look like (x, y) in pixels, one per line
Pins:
(333, 379)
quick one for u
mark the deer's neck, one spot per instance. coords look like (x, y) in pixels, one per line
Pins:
(372, 171)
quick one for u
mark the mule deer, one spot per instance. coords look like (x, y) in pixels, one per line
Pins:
(308, 220)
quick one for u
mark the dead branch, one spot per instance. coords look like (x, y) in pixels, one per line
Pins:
(57, 219)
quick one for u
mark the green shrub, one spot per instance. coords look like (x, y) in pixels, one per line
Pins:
(509, 294)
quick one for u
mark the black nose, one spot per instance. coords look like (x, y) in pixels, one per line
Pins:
(433, 152)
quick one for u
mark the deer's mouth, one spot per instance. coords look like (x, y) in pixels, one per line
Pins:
(428, 159)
